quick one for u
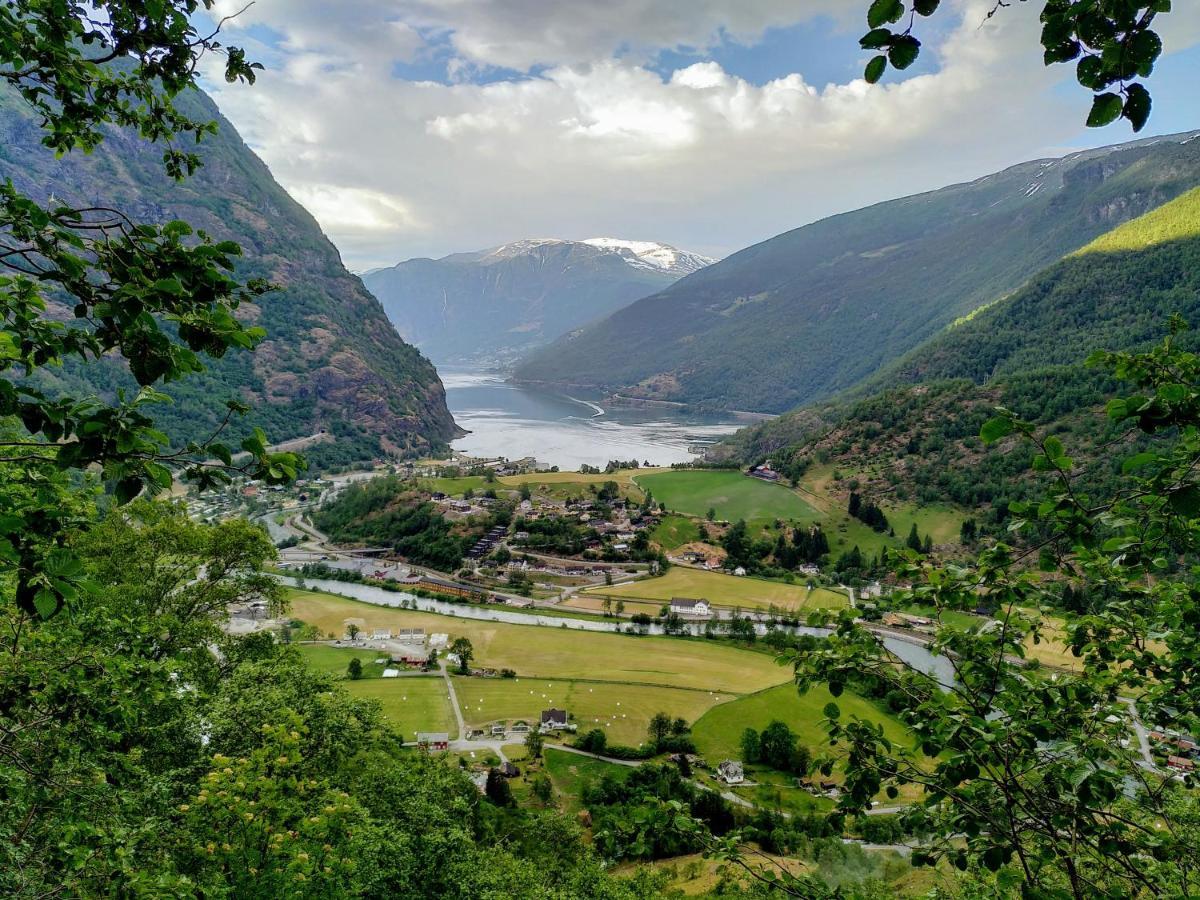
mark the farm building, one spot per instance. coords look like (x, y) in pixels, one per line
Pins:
(765, 472)
(433, 740)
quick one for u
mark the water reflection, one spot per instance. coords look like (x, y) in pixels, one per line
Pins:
(568, 431)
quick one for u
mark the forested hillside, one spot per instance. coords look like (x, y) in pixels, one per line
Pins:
(917, 423)
(815, 311)
(331, 360)
(1116, 292)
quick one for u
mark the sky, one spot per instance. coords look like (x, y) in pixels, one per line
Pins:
(427, 127)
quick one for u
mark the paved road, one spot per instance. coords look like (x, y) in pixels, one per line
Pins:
(458, 716)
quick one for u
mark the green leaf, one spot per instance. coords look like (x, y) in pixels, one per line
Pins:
(171, 286)
(875, 38)
(1137, 106)
(994, 858)
(126, 489)
(46, 603)
(1186, 501)
(875, 69)
(995, 429)
(1106, 109)
(904, 51)
(881, 12)
(831, 711)
(926, 7)
(1138, 461)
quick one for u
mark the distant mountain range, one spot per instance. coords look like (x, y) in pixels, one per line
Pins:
(494, 305)
(820, 310)
(331, 362)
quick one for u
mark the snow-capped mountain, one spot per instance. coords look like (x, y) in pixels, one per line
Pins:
(650, 255)
(499, 303)
(653, 255)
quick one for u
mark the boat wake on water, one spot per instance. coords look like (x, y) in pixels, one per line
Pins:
(596, 408)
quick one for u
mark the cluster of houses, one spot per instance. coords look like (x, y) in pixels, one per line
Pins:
(1183, 751)
(828, 789)
(487, 543)
(906, 621)
(703, 559)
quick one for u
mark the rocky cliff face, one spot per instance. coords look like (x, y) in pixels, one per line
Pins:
(332, 361)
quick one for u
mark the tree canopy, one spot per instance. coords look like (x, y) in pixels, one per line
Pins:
(1112, 43)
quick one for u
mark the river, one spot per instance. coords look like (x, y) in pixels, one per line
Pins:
(913, 654)
(567, 431)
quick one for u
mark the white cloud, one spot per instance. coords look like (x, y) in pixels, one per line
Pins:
(521, 34)
(600, 144)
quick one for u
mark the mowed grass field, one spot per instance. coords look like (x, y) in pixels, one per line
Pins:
(334, 660)
(595, 604)
(733, 495)
(718, 733)
(412, 704)
(536, 651)
(724, 590)
(675, 531)
(623, 711)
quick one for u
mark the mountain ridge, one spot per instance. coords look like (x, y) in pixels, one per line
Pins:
(331, 361)
(496, 303)
(810, 313)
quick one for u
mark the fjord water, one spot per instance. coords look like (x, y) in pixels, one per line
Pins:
(567, 431)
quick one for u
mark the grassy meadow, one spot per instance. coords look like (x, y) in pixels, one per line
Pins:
(724, 590)
(718, 733)
(560, 652)
(731, 494)
(675, 531)
(334, 660)
(622, 710)
(412, 704)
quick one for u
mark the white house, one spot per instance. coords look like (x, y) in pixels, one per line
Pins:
(698, 609)
(730, 771)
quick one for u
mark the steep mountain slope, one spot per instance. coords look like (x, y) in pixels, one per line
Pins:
(1116, 292)
(331, 362)
(915, 429)
(496, 304)
(814, 311)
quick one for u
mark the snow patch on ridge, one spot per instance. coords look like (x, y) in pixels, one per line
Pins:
(650, 255)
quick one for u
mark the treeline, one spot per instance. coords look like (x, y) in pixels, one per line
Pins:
(808, 546)
(388, 512)
(867, 512)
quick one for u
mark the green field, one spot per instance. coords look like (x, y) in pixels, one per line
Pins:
(725, 590)
(829, 494)
(334, 660)
(718, 732)
(412, 704)
(622, 710)
(733, 495)
(455, 487)
(536, 651)
(570, 772)
(675, 531)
